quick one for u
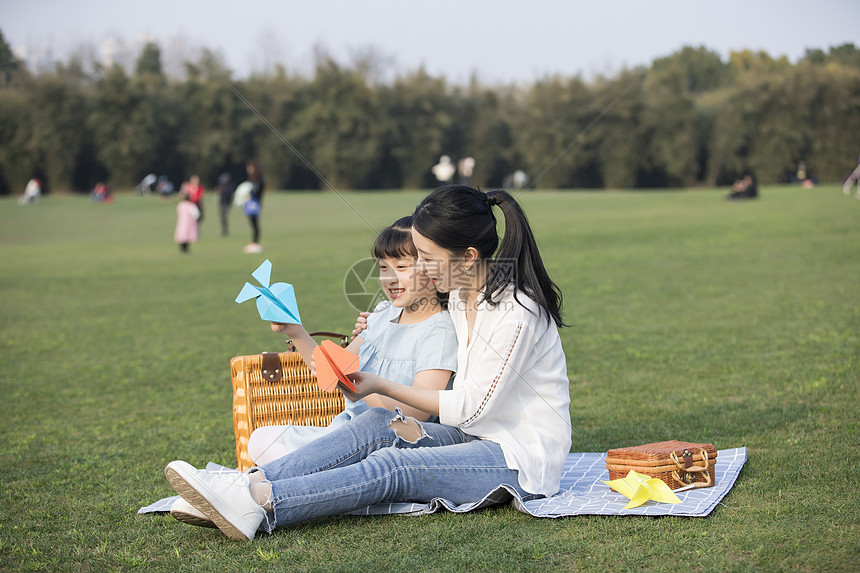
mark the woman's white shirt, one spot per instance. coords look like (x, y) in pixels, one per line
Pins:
(511, 386)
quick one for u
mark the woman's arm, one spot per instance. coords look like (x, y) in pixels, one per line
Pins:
(434, 380)
(360, 324)
(512, 346)
(420, 398)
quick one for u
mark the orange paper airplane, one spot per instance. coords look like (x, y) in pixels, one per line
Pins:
(332, 364)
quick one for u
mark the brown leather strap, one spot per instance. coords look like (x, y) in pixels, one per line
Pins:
(271, 368)
(344, 339)
(688, 459)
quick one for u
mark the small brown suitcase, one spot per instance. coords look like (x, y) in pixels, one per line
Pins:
(678, 464)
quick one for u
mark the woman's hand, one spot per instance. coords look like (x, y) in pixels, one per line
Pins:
(360, 324)
(424, 399)
(365, 384)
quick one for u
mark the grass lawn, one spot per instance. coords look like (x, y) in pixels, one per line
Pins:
(693, 319)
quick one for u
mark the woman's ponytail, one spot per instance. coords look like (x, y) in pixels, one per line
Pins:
(518, 255)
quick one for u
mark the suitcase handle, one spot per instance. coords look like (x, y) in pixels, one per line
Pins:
(689, 471)
(707, 483)
(687, 465)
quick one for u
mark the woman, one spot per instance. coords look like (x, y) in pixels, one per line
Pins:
(254, 205)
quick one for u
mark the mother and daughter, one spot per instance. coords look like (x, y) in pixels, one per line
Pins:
(502, 420)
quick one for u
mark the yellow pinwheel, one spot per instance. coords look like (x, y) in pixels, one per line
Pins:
(639, 488)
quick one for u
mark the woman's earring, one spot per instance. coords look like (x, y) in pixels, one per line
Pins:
(468, 271)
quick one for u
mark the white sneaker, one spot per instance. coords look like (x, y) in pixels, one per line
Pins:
(224, 497)
(183, 511)
(253, 248)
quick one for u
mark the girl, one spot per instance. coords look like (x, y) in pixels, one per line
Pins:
(506, 421)
(186, 222)
(195, 194)
(409, 340)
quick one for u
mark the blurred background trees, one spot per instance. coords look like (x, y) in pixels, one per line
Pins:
(688, 119)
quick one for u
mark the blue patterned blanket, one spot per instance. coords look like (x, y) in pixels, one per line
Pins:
(582, 493)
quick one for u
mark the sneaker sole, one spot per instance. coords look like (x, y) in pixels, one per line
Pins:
(192, 519)
(194, 492)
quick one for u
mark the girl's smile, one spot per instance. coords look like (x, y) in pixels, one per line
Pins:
(405, 283)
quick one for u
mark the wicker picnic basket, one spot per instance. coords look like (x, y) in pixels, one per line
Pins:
(277, 388)
(678, 464)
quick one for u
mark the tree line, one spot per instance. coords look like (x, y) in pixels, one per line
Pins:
(688, 119)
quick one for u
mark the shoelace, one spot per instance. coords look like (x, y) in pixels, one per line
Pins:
(228, 475)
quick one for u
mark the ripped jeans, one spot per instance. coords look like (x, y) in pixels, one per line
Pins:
(379, 458)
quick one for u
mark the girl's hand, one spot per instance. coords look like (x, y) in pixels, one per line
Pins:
(286, 328)
(365, 384)
(360, 324)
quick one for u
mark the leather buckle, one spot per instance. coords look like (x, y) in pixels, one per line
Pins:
(271, 368)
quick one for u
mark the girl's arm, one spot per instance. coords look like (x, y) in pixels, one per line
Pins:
(424, 399)
(433, 380)
(305, 343)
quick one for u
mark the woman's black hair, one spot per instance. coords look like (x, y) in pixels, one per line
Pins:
(457, 217)
(394, 242)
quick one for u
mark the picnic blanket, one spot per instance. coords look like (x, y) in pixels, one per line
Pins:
(582, 493)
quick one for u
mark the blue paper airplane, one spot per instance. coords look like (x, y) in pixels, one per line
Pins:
(276, 303)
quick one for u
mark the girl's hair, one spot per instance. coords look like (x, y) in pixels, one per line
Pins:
(457, 217)
(395, 241)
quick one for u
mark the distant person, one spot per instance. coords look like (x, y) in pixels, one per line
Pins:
(195, 194)
(254, 205)
(444, 170)
(164, 187)
(226, 189)
(465, 169)
(32, 192)
(852, 180)
(145, 185)
(801, 170)
(101, 193)
(743, 188)
(520, 179)
(516, 180)
(187, 215)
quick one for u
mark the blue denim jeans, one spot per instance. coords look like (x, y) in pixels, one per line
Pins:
(366, 462)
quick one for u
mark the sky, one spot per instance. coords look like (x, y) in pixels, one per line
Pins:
(497, 41)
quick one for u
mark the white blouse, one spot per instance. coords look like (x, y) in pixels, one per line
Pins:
(511, 387)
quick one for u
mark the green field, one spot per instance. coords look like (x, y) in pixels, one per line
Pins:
(693, 319)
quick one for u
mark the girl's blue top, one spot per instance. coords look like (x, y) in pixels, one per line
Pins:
(398, 352)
